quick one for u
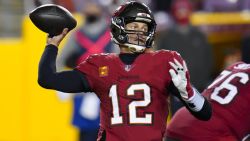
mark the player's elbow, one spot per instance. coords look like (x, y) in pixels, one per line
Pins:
(43, 83)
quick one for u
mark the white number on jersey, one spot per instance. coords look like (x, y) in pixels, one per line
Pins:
(133, 105)
(232, 89)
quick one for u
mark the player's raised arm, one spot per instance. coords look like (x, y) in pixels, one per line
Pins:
(182, 88)
(48, 77)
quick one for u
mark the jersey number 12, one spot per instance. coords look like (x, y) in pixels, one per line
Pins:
(132, 106)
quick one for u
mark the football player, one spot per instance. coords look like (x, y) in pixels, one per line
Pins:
(229, 96)
(133, 86)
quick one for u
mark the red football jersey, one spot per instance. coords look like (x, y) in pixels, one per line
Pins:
(229, 95)
(134, 104)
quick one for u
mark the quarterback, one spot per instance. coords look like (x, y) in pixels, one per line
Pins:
(133, 86)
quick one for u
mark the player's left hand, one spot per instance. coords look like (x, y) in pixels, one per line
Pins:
(180, 79)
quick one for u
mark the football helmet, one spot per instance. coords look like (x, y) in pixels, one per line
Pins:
(132, 11)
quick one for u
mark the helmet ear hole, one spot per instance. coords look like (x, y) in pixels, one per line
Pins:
(118, 21)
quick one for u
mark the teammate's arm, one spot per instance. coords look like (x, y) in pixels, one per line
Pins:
(66, 81)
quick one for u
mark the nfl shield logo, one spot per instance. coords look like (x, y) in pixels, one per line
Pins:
(127, 67)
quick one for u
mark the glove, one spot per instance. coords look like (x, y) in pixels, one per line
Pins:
(180, 78)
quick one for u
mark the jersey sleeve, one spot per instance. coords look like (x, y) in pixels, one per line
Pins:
(166, 56)
(90, 69)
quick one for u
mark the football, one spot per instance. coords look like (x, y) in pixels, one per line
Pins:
(52, 19)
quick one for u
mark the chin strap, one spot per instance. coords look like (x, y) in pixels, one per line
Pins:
(135, 48)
